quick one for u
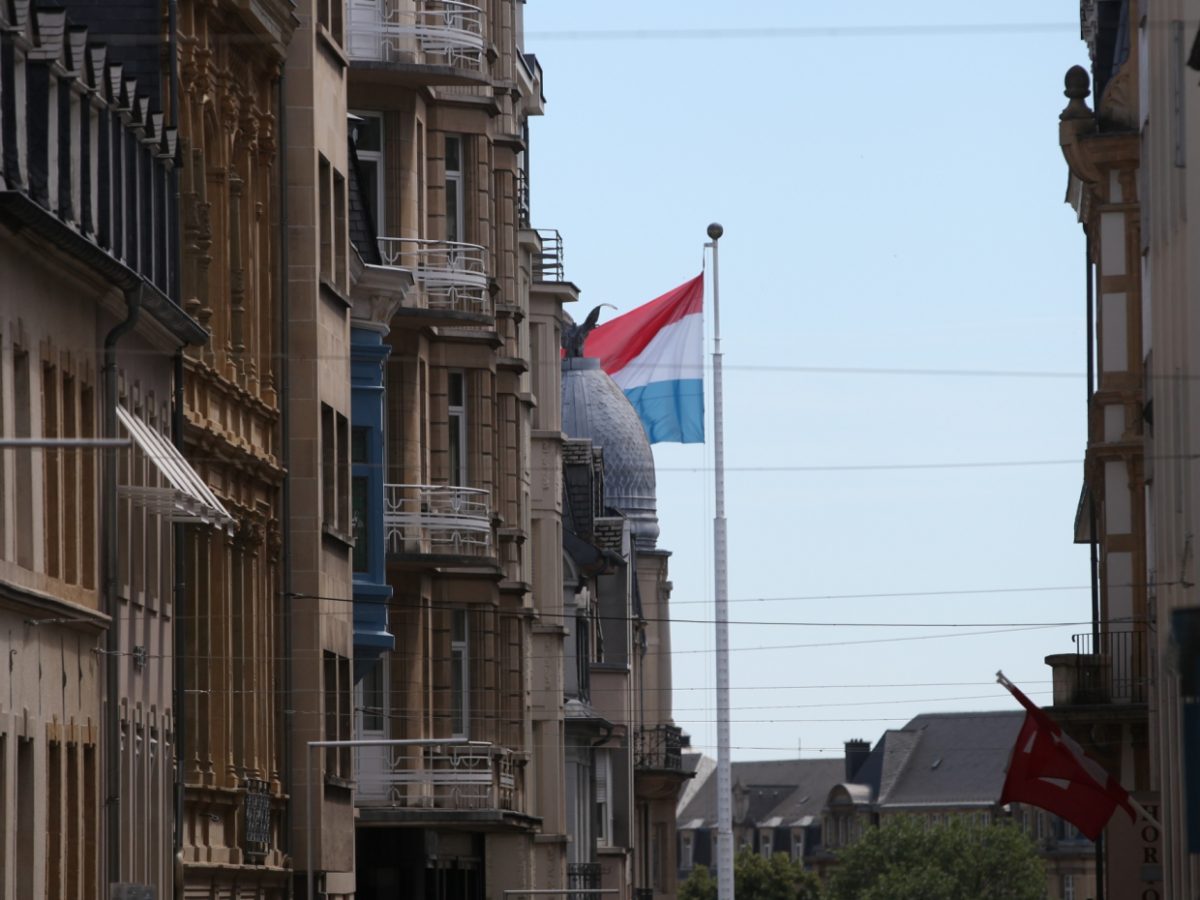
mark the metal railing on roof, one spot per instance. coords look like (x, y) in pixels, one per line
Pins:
(548, 265)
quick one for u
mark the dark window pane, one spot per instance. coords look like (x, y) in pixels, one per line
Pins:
(359, 501)
(358, 445)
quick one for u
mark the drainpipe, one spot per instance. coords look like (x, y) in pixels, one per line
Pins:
(112, 727)
(180, 636)
(1094, 549)
(285, 551)
(179, 622)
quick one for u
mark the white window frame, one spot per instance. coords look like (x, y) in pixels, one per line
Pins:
(766, 842)
(376, 157)
(686, 851)
(456, 413)
(457, 215)
(1068, 887)
(460, 662)
(604, 798)
(382, 669)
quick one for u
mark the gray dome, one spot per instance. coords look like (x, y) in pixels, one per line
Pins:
(593, 406)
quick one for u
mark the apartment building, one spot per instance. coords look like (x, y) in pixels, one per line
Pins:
(91, 343)
(215, 69)
(1127, 693)
(455, 458)
(625, 689)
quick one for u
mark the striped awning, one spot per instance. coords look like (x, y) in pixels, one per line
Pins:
(188, 498)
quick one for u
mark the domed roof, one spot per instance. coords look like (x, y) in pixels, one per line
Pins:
(593, 406)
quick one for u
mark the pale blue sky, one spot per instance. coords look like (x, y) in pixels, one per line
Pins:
(891, 201)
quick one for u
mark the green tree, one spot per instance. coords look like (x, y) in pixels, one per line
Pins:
(906, 859)
(755, 878)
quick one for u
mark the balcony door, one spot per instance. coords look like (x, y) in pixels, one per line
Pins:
(366, 29)
(374, 764)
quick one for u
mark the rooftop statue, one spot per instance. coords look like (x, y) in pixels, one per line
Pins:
(575, 336)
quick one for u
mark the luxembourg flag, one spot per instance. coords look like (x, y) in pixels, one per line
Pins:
(656, 354)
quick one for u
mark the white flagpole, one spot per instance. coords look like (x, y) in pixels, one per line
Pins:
(721, 577)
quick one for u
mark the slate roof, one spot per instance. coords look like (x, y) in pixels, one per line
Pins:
(785, 790)
(955, 759)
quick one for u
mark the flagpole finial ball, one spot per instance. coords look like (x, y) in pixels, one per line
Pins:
(715, 231)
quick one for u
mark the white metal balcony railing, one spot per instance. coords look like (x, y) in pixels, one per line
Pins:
(430, 518)
(430, 32)
(453, 276)
(468, 777)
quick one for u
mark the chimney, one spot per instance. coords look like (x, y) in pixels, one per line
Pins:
(857, 752)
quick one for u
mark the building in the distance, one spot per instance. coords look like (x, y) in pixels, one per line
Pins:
(939, 767)
(622, 618)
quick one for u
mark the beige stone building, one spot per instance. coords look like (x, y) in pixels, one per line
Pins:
(618, 670)
(90, 344)
(465, 520)
(1126, 692)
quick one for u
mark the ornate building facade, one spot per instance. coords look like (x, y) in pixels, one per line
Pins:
(1129, 694)
(91, 342)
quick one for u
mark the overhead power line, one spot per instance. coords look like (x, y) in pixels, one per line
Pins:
(808, 32)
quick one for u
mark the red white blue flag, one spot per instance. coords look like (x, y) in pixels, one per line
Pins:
(656, 354)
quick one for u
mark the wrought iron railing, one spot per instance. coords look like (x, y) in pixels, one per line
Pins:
(1113, 670)
(431, 518)
(659, 747)
(453, 276)
(548, 265)
(429, 32)
(470, 777)
(583, 877)
(523, 212)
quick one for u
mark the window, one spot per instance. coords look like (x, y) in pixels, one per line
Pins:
(797, 846)
(685, 851)
(25, 831)
(335, 471)
(604, 798)
(325, 215)
(329, 17)
(1068, 887)
(372, 700)
(457, 423)
(341, 232)
(460, 674)
(765, 843)
(338, 718)
(658, 856)
(368, 144)
(359, 487)
(23, 421)
(455, 218)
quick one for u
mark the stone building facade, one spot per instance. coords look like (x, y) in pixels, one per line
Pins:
(91, 338)
(467, 512)
(1130, 692)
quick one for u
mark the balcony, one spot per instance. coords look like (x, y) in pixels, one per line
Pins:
(431, 519)
(419, 35)
(583, 877)
(548, 263)
(659, 748)
(468, 778)
(452, 276)
(1113, 671)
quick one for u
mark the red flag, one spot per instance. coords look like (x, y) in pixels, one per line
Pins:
(1051, 771)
